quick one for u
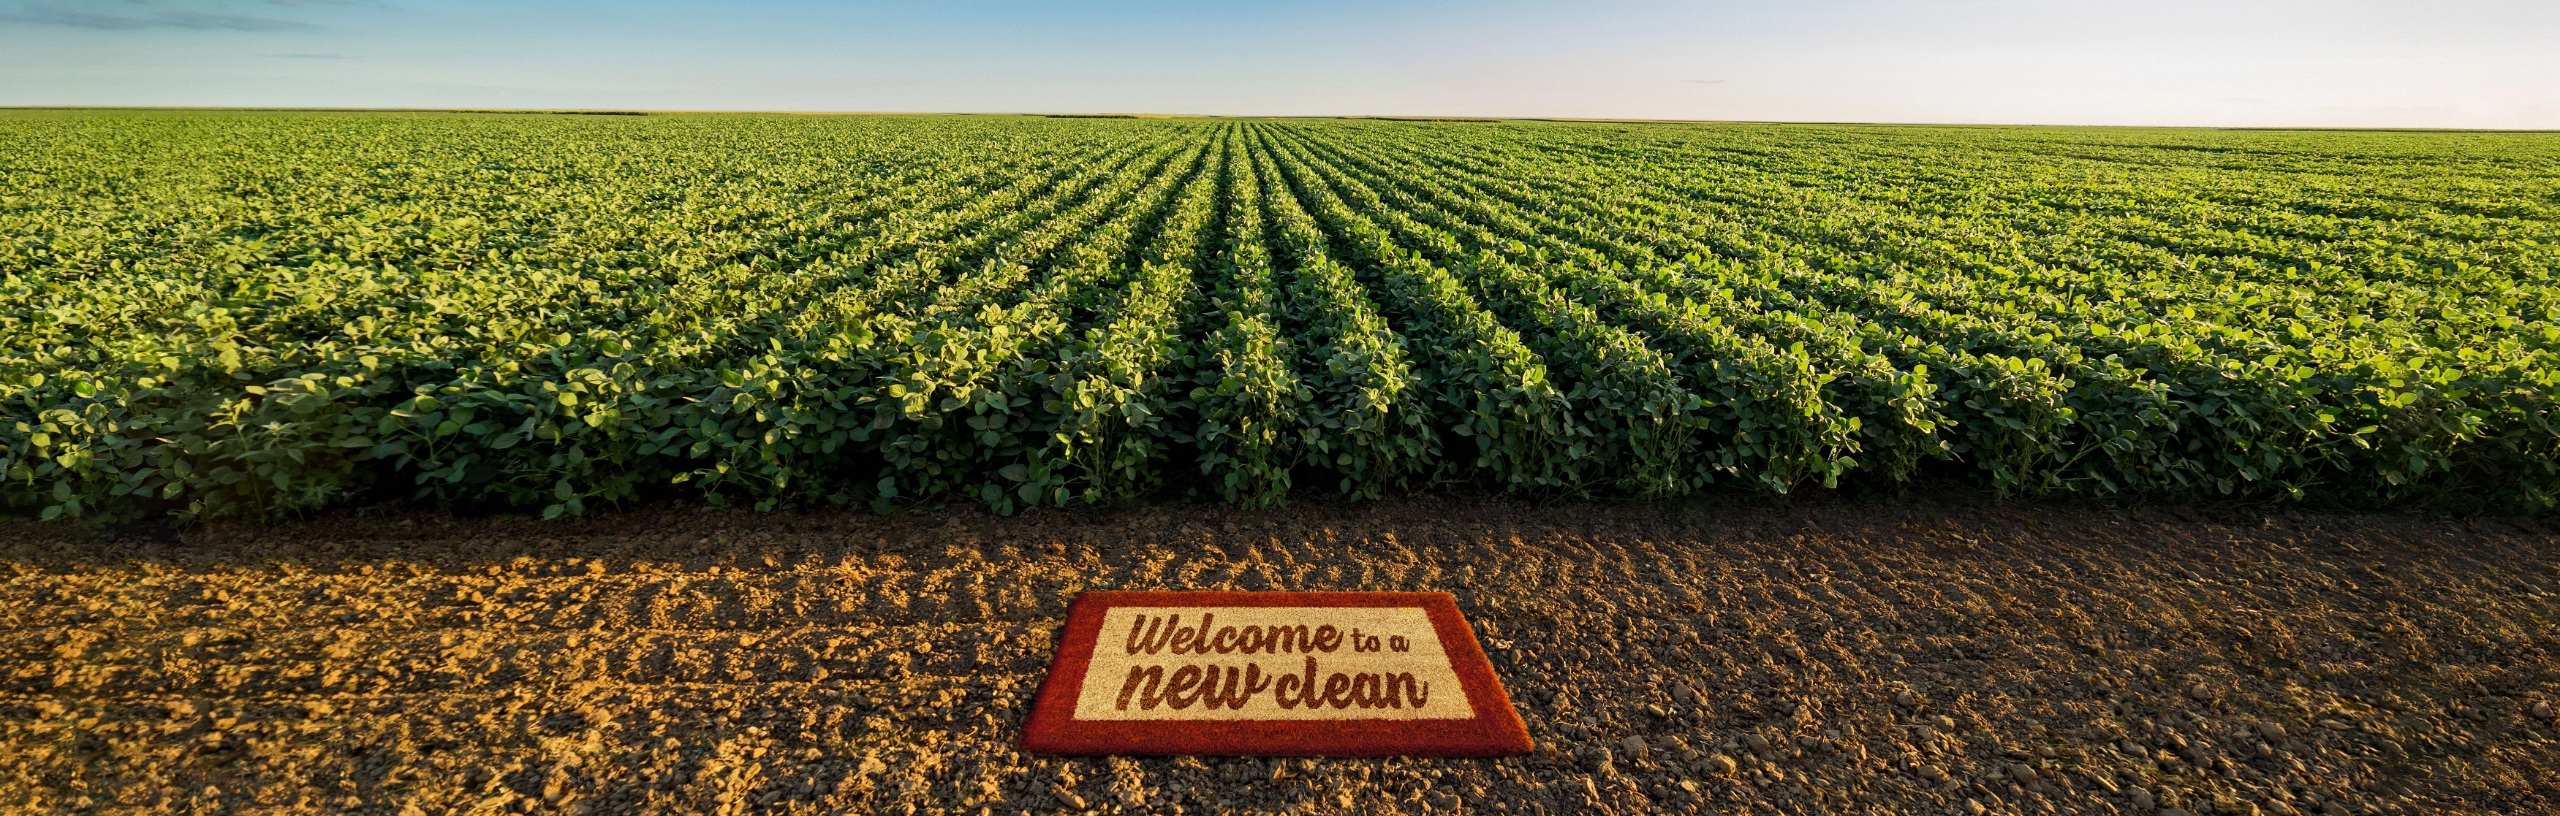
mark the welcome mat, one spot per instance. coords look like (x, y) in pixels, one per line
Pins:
(1271, 674)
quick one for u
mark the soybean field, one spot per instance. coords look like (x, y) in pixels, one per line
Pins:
(208, 314)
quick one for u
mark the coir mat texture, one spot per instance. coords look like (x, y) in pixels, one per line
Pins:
(1272, 674)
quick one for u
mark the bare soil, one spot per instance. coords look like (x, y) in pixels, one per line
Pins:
(1830, 657)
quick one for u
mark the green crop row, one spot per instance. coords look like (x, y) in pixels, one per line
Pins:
(214, 314)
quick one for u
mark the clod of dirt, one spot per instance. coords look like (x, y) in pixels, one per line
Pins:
(1597, 758)
(1634, 748)
(2025, 775)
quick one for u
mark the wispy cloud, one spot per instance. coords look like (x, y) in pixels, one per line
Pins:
(235, 22)
(310, 56)
(158, 18)
(75, 19)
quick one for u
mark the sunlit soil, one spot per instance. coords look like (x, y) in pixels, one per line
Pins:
(1831, 658)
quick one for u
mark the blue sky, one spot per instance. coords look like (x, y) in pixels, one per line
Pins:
(2350, 63)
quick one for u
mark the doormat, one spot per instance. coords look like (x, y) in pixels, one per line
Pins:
(1344, 674)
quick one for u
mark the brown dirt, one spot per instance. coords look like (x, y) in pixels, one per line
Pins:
(1827, 658)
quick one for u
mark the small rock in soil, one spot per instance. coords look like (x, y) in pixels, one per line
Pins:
(1634, 748)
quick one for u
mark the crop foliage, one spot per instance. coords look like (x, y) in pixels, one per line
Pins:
(209, 314)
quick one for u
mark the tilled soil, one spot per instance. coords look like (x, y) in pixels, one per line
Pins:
(1826, 658)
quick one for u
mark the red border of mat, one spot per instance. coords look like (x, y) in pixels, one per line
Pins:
(1052, 728)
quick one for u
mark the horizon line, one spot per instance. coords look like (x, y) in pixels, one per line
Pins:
(1130, 115)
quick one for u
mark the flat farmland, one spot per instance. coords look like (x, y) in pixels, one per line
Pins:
(211, 314)
(1833, 657)
(413, 463)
